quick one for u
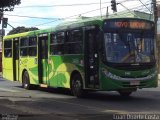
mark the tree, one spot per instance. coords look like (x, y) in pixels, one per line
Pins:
(8, 5)
(21, 29)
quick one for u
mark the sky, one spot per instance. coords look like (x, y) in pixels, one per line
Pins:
(47, 13)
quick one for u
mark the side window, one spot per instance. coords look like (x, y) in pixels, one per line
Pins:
(32, 51)
(23, 46)
(57, 43)
(44, 46)
(73, 44)
(53, 38)
(8, 48)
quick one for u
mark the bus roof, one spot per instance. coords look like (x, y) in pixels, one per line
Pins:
(80, 22)
(65, 25)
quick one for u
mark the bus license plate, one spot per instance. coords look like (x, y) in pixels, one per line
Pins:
(134, 83)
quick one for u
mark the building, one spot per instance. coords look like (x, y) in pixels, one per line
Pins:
(158, 22)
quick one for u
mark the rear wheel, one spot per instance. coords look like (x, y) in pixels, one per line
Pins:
(26, 81)
(77, 85)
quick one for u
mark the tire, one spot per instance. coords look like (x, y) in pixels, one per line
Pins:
(26, 81)
(77, 86)
(125, 94)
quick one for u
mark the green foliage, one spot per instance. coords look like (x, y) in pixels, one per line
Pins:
(21, 29)
(8, 5)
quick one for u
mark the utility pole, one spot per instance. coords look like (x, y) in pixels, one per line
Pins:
(101, 8)
(1, 18)
(107, 13)
(155, 13)
(157, 49)
(154, 3)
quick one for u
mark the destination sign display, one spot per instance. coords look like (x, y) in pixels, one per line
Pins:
(128, 24)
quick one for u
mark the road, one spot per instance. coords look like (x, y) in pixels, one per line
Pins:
(52, 104)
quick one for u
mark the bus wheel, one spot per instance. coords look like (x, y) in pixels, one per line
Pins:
(77, 86)
(125, 94)
(25, 81)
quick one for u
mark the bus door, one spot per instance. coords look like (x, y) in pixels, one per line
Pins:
(16, 59)
(91, 57)
(43, 58)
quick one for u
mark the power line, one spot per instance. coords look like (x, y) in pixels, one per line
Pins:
(145, 6)
(68, 5)
(128, 10)
(32, 17)
(64, 5)
(81, 14)
(75, 15)
(57, 19)
(53, 18)
(78, 15)
(140, 6)
(79, 4)
(70, 16)
(124, 14)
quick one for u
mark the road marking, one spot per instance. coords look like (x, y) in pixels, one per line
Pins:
(8, 90)
(116, 111)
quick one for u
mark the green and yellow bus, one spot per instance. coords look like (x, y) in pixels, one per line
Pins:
(116, 54)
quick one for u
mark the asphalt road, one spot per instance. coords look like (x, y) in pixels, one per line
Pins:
(17, 103)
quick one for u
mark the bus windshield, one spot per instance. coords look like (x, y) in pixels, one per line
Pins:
(129, 47)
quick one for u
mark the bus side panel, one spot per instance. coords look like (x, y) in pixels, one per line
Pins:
(54, 62)
(23, 66)
(31, 66)
(33, 70)
(0, 61)
(8, 68)
(61, 68)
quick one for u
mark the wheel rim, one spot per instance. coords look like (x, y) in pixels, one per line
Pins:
(25, 85)
(76, 86)
(25, 80)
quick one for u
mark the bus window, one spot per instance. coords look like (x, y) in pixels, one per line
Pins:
(60, 37)
(8, 48)
(32, 46)
(32, 41)
(57, 43)
(24, 47)
(73, 44)
(53, 38)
